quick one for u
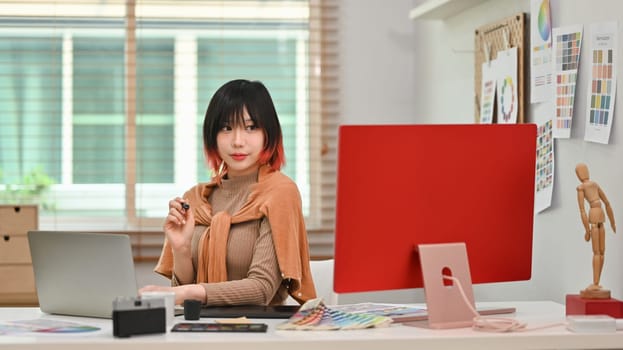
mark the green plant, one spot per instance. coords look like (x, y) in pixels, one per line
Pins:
(30, 190)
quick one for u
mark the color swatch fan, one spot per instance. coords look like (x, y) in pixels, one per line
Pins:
(315, 315)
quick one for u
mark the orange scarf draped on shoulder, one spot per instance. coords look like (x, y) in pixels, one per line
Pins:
(274, 196)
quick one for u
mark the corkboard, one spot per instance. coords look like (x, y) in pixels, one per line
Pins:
(493, 34)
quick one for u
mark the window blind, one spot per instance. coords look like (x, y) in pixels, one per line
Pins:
(324, 21)
(102, 102)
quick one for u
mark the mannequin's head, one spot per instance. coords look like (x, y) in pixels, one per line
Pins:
(581, 170)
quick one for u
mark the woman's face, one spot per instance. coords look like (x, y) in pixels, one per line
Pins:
(240, 146)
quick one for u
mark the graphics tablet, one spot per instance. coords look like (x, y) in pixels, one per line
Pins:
(249, 311)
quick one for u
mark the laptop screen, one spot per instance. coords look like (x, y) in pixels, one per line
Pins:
(80, 274)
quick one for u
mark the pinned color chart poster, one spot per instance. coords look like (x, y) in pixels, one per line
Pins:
(487, 94)
(602, 85)
(541, 81)
(567, 48)
(544, 177)
(506, 67)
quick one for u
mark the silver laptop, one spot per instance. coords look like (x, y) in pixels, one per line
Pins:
(79, 273)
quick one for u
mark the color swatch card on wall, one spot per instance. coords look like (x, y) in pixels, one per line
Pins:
(602, 84)
(567, 48)
(544, 177)
(541, 81)
(508, 100)
(487, 92)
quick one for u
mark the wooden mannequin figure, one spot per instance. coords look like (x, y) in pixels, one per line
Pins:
(594, 228)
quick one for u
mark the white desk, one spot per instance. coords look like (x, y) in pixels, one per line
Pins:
(395, 337)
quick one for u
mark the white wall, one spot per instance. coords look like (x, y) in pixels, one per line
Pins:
(378, 81)
(376, 62)
(400, 71)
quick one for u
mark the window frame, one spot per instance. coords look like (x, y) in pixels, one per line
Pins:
(321, 133)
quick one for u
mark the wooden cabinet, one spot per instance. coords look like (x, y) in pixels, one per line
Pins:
(18, 280)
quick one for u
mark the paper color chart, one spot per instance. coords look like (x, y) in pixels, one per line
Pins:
(602, 87)
(486, 111)
(601, 91)
(541, 52)
(567, 47)
(544, 157)
(487, 94)
(506, 86)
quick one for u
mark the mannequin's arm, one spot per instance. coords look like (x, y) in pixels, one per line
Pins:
(583, 212)
(604, 199)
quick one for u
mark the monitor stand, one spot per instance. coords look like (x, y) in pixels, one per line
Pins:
(446, 306)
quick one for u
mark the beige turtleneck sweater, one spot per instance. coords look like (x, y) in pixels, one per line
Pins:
(253, 275)
(273, 196)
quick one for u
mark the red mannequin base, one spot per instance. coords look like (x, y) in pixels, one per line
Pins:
(579, 306)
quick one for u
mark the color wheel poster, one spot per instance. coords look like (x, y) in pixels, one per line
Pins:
(541, 82)
(567, 48)
(544, 177)
(602, 84)
(506, 67)
(487, 92)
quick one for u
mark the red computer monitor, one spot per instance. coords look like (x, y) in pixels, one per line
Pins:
(402, 185)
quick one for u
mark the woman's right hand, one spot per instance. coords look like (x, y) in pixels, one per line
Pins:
(179, 225)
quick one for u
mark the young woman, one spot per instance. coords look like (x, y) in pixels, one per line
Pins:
(241, 238)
